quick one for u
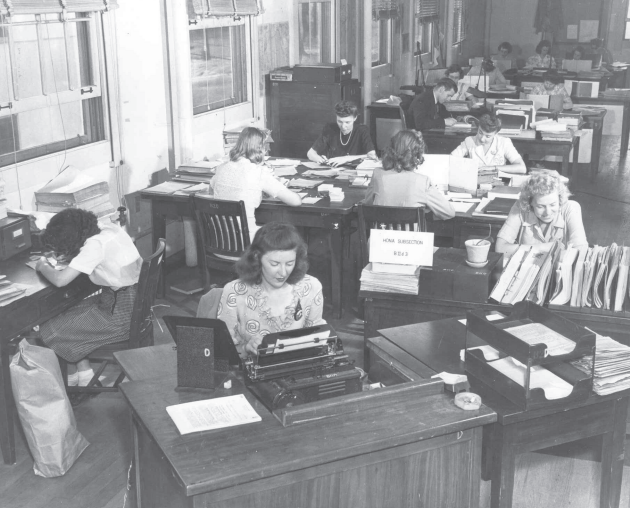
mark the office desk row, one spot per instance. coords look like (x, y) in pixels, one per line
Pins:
(336, 218)
(41, 301)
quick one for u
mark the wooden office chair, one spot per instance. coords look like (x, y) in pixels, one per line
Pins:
(403, 118)
(209, 304)
(387, 217)
(140, 328)
(223, 230)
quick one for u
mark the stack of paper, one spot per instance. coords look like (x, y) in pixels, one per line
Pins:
(612, 366)
(389, 278)
(8, 290)
(564, 277)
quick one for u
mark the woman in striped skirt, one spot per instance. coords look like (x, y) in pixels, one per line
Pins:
(106, 253)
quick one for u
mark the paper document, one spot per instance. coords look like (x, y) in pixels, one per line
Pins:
(310, 200)
(284, 171)
(212, 414)
(305, 184)
(553, 386)
(315, 165)
(537, 333)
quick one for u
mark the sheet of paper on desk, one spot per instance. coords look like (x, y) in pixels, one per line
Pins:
(328, 173)
(168, 187)
(310, 200)
(553, 386)
(305, 184)
(284, 171)
(314, 165)
(283, 162)
(343, 159)
(212, 414)
(462, 206)
(369, 164)
(537, 333)
(13, 292)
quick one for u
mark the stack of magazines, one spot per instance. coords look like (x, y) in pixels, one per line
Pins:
(612, 366)
(390, 278)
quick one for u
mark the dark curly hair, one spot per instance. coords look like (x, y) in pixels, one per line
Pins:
(68, 230)
(505, 45)
(454, 68)
(489, 123)
(273, 236)
(344, 109)
(541, 45)
(405, 152)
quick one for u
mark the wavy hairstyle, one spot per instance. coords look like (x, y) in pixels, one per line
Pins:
(542, 183)
(405, 152)
(447, 83)
(344, 109)
(454, 68)
(273, 236)
(541, 45)
(250, 144)
(489, 123)
(505, 45)
(68, 230)
(581, 50)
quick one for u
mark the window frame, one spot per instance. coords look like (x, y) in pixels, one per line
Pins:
(51, 98)
(385, 44)
(332, 57)
(431, 21)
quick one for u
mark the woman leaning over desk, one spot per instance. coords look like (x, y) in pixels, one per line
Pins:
(490, 150)
(397, 184)
(244, 178)
(542, 214)
(542, 58)
(273, 292)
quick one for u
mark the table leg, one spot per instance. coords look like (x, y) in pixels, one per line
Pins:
(565, 161)
(503, 466)
(158, 230)
(612, 457)
(576, 156)
(7, 411)
(625, 129)
(486, 451)
(336, 267)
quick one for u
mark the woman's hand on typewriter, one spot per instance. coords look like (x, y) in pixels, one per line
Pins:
(252, 346)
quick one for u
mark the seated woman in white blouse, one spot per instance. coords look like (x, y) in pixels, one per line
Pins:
(273, 292)
(490, 150)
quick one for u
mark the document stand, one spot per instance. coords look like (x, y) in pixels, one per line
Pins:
(508, 345)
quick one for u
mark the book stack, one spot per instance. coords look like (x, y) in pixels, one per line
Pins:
(616, 93)
(8, 290)
(199, 172)
(390, 278)
(229, 138)
(554, 131)
(457, 106)
(612, 366)
(572, 120)
(495, 206)
(77, 194)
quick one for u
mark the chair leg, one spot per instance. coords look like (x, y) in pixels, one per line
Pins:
(63, 365)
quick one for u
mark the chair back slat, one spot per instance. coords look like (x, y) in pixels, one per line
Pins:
(222, 224)
(387, 217)
(141, 326)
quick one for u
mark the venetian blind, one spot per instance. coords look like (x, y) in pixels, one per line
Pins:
(427, 8)
(223, 7)
(459, 20)
(10, 7)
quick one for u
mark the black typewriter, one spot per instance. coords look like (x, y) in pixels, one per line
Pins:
(299, 366)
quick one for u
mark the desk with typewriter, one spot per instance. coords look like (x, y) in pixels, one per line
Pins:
(403, 445)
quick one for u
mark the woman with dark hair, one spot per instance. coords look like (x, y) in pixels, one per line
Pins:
(505, 48)
(542, 214)
(542, 58)
(579, 53)
(553, 84)
(490, 150)
(397, 184)
(342, 137)
(455, 72)
(598, 48)
(502, 60)
(75, 244)
(244, 178)
(273, 292)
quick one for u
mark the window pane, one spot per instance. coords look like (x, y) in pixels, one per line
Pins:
(7, 142)
(26, 68)
(218, 67)
(50, 124)
(314, 32)
(376, 39)
(79, 53)
(5, 82)
(53, 57)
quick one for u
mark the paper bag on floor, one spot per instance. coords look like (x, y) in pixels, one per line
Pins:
(45, 411)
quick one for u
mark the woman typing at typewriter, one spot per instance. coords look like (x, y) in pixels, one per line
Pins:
(273, 292)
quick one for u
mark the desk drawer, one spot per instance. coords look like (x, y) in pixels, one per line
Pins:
(15, 237)
(64, 298)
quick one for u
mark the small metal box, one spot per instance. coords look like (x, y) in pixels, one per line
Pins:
(15, 236)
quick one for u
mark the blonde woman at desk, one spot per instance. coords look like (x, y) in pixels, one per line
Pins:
(553, 85)
(542, 214)
(273, 292)
(490, 150)
(397, 184)
(542, 58)
(108, 256)
(489, 71)
(244, 178)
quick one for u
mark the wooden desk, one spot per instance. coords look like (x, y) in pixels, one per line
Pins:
(334, 217)
(41, 302)
(440, 141)
(436, 346)
(423, 452)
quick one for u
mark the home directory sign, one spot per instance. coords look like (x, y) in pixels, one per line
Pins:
(401, 247)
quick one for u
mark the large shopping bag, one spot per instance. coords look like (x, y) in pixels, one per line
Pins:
(45, 411)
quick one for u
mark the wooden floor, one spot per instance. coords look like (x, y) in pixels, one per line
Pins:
(566, 476)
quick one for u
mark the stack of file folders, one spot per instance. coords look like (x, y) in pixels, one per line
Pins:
(612, 366)
(390, 278)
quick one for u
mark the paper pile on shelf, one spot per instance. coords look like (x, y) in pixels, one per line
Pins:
(389, 278)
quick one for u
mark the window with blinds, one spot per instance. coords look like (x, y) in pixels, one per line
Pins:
(459, 21)
(50, 78)
(426, 19)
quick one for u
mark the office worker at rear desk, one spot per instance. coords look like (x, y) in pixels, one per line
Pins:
(489, 149)
(542, 58)
(578, 53)
(504, 52)
(244, 178)
(273, 292)
(396, 184)
(542, 214)
(343, 137)
(553, 85)
(455, 73)
(427, 109)
(492, 74)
